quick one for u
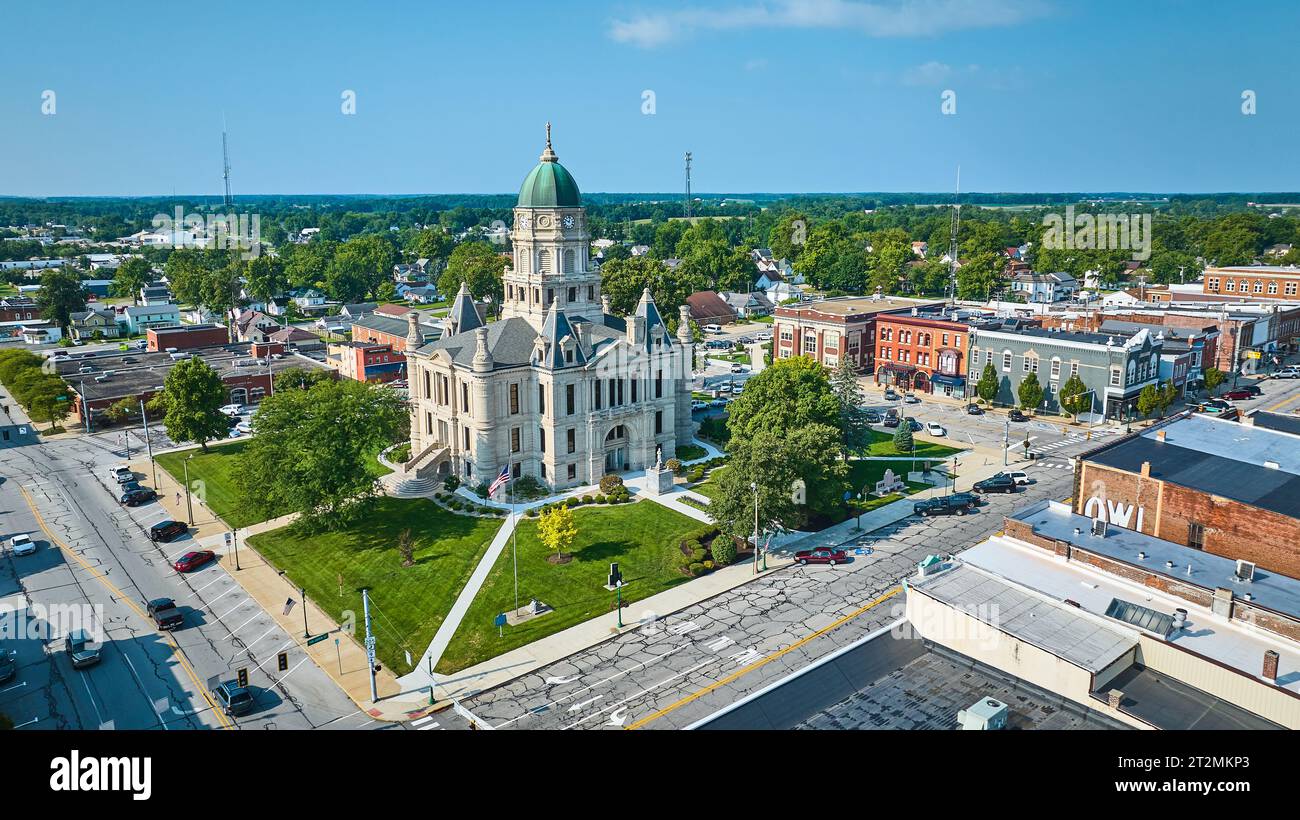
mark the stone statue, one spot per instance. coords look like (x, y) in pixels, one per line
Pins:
(659, 458)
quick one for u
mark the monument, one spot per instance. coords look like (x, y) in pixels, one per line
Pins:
(659, 479)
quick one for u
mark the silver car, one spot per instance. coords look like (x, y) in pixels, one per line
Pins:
(22, 544)
(82, 650)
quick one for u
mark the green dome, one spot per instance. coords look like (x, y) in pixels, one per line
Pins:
(549, 185)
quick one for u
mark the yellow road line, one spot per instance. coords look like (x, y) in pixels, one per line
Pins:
(117, 593)
(1286, 400)
(746, 670)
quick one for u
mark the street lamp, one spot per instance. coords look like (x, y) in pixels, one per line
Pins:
(753, 485)
(189, 507)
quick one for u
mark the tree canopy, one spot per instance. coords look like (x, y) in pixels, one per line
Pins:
(191, 402)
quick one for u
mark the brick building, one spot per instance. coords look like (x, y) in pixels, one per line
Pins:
(1253, 282)
(924, 349)
(378, 329)
(1227, 488)
(185, 337)
(830, 329)
(366, 362)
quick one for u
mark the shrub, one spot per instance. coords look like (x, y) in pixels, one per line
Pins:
(609, 481)
(691, 545)
(528, 487)
(586, 499)
(696, 568)
(571, 502)
(601, 499)
(697, 474)
(451, 482)
(482, 489)
(674, 464)
(532, 513)
(724, 551)
(708, 566)
(698, 554)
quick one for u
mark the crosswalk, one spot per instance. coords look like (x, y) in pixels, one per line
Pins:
(424, 724)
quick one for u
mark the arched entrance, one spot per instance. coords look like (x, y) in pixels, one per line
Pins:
(617, 444)
(920, 382)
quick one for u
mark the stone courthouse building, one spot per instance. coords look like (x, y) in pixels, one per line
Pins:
(557, 388)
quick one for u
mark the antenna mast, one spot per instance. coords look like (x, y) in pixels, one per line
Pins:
(952, 240)
(688, 184)
(225, 162)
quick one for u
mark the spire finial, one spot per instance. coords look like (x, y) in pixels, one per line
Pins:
(548, 133)
(549, 154)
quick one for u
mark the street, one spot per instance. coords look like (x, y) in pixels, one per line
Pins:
(95, 556)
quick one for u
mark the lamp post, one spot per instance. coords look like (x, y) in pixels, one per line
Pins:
(189, 507)
(753, 485)
(1006, 441)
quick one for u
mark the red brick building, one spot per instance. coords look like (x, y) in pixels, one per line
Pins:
(186, 337)
(366, 362)
(1253, 282)
(831, 329)
(1211, 484)
(923, 350)
(377, 329)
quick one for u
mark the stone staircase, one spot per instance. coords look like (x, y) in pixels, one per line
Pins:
(410, 486)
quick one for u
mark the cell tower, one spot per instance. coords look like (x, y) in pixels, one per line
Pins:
(225, 162)
(688, 184)
(952, 240)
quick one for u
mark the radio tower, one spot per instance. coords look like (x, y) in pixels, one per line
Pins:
(225, 161)
(688, 184)
(952, 240)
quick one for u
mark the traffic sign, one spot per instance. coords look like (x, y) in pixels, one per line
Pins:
(499, 620)
(318, 639)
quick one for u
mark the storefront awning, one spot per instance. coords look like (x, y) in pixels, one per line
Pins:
(896, 367)
(954, 381)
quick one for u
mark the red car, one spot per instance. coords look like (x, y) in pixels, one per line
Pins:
(1241, 394)
(193, 560)
(823, 555)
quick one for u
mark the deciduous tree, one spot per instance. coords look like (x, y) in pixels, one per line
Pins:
(191, 401)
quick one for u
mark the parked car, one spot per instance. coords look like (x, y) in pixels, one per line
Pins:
(941, 505)
(22, 544)
(1016, 415)
(765, 336)
(890, 420)
(934, 428)
(718, 403)
(167, 530)
(821, 555)
(1018, 476)
(974, 410)
(712, 328)
(746, 340)
(737, 390)
(871, 416)
(86, 368)
(890, 395)
(910, 398)
(129, 486)
(1000, 483)
(81, 649)
(914, 424)
(233, 409)
(696, 404)
(138, 496)
(121, 474)
(141, 344)
(232, 698)
(738, 368)
(8, 664)
(1291, 371)
(1240, 394)
(165, 613)
(969, 499)
(191, 561)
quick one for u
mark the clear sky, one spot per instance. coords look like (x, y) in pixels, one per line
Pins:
(769, 95)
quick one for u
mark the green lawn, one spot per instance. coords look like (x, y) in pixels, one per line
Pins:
(690, 452)
(217, 470)
(708, 487)
(865, 474)
(642, 537)
(408, 604)
(882, 444)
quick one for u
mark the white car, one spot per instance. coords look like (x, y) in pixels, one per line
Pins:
(934, 428)
(765, 336)
(22, 544)
(1288, 372)
(738, 368)
(712, 329)
(737, 390)
(1019, 477)
(233, 409)
(244, 427)
(699, 405)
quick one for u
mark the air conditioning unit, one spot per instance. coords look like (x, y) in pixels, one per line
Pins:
(1099, 527)
(1245, 571)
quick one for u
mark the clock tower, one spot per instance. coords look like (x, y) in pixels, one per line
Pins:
(551, 245)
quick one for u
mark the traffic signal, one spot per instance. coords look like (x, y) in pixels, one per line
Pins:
(284, 661)
(242, 677)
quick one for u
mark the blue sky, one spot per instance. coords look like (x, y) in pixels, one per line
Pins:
(769, 95)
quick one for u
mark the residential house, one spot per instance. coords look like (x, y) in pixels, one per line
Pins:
(254, 326)
(295, 338)
(748, 305)
(1044, 287)
(94, 324)
(921, 248)
(19, 308)
(708, 308)
(640, 250)
(140, 318)
(428, 294)
(356, 311)
(97, 288)
(155, 294)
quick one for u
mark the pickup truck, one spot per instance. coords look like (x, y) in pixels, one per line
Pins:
(165, 613)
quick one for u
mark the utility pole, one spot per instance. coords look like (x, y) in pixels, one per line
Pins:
(189, 507)
(1006, 441)
(225, 162)
(952, 240)
(147, 443)
(370, 644)
(754, 486)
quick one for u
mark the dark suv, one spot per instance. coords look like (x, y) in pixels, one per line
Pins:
(942, 505)
(233, 698)
(1000, 483)
(167, 530)
(138, 496)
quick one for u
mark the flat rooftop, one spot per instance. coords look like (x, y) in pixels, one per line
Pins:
(1255, 465)
(1206, 570)
(1085, 641)
(846, 306)
(1229, 643)
(136, 372)
(1282, 422)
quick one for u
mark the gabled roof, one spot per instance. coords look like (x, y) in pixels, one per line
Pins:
(555, 329)
(647, 310)
(706, 304)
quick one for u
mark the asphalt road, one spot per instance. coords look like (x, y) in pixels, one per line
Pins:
(677, 670)
(146, 679)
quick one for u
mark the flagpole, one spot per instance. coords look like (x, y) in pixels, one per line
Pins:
(514, 543)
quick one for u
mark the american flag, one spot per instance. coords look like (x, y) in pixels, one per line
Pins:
(502, 480)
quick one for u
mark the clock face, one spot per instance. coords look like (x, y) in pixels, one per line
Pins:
(526, 222)
(568, 221)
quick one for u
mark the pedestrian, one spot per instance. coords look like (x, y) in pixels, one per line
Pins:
(178, 499)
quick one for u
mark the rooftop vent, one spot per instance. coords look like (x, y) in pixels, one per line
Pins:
(1272, 465)
(1099, 527)
(1245, 571)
